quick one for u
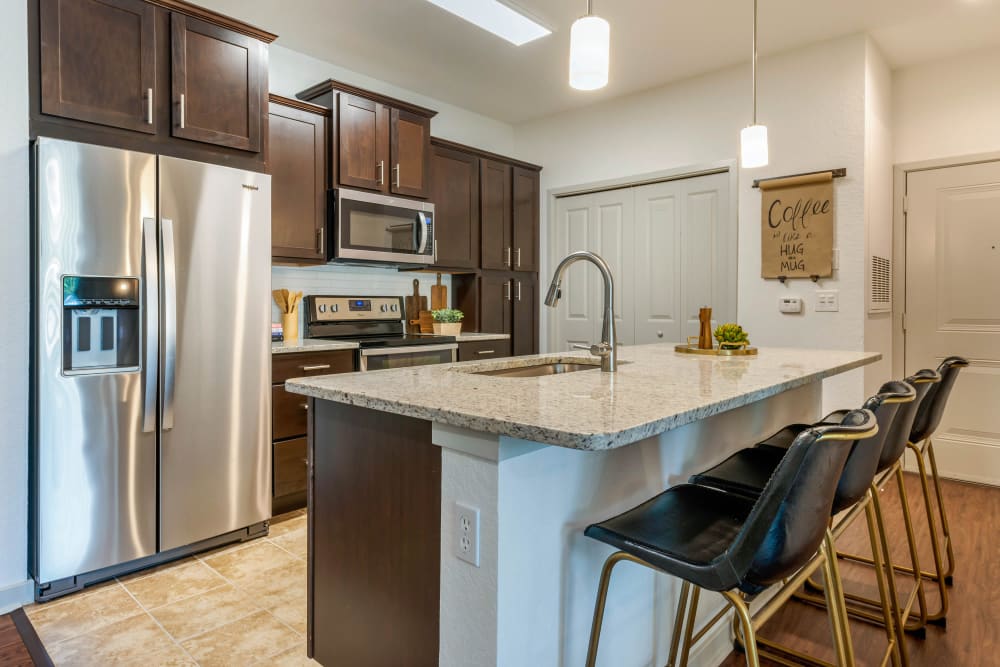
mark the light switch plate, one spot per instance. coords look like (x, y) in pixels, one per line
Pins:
(827, 301)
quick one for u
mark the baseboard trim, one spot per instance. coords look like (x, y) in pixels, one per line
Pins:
(16, 595)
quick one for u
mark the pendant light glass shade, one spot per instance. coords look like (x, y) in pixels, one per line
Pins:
(589, 53)
(753, 146)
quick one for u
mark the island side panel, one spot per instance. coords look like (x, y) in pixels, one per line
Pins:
(375, 530)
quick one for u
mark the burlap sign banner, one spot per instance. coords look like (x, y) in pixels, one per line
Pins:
(797, 226)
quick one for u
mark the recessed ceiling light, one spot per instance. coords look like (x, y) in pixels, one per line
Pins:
(496, 17)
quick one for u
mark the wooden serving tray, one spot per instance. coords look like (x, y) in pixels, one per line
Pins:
(744, 350)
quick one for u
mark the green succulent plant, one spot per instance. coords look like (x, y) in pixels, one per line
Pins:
(447, 315)
(731, 335)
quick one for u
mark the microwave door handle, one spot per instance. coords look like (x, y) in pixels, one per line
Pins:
(422, 222)
(151, 309)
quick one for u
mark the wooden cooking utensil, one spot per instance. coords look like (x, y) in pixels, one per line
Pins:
(414, 304)
(439, 295)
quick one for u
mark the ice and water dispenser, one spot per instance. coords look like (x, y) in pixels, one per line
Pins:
(101, 325)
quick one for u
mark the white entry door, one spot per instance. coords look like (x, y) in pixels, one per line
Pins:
(672, 247)
(953, 307)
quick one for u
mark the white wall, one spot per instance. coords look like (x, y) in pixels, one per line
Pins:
(878, 203)
(812, 101)
(947, 108)
(14, 253)
(291, 72)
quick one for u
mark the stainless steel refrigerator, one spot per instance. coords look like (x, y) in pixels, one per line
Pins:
(151, 360)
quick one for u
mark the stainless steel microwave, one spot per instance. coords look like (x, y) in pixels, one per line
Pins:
(367, 227)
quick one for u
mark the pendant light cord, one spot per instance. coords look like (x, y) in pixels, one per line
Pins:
(753, 66)
(590, 7)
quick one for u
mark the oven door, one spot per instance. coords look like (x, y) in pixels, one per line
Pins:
(381, 358)
(377, 228)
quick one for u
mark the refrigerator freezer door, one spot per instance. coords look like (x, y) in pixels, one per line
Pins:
(215, 463)
(94, 503)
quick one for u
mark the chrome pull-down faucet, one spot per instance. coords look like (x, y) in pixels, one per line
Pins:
(607, 349)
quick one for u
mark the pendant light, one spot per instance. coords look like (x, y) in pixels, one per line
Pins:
(753, 139)
(589, 51)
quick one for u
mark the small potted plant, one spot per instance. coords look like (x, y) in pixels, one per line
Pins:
(731, 336)
(447, 321)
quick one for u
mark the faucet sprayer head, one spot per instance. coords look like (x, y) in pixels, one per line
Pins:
(554, 294)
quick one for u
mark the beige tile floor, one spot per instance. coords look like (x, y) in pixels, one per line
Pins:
(239, 605)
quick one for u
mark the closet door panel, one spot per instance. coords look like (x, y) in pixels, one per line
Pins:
(657, 264)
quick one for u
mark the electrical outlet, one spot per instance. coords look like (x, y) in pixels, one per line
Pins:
(467, 533)
(827, 301)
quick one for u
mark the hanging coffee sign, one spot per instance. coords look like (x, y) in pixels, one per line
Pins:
(797, 226)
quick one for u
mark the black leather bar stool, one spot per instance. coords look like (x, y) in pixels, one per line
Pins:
(748, 470)
(738, 546)
(927, 420)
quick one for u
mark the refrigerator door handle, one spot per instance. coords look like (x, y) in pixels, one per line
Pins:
(151, 306)
(169, 322)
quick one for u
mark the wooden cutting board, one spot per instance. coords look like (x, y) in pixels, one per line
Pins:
(439, 295)
(414, 304)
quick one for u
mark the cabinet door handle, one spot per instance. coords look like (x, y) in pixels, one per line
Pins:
(149, 106)
(381, 173)
(182, 111)
(304, 406)
(517, 258)
(397, 171)
(506, 290)
(317, 367)
(319, 241)
(507, 260)
(435, 251)
(487, 352)
(518, 290)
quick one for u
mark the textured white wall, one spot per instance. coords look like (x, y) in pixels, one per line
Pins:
(14, 266)
(947, 108)
(878, 203)
(812, 101)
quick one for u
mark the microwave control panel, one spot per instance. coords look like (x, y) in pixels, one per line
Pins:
(347, 308)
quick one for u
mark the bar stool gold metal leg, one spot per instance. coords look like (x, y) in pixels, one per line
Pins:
(675, 638)
(602, 598)
(691, 620)
(950, 571)
(835, 604)
(746, 625)
(935, 544)
(893, 635)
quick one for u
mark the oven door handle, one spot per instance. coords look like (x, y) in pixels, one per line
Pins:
(422, 222)
(407, 349)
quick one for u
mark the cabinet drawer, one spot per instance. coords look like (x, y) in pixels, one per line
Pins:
(306, 364)
(290, 412)
(486, 349)
(290, 467)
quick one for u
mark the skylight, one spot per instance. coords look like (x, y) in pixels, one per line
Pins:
(496, 17)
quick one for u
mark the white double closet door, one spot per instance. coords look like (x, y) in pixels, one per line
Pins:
(672, 249)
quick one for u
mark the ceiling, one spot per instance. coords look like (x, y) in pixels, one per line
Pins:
(413, 44)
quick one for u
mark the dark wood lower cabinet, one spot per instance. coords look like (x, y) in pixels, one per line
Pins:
(290, 422)
(375, 538)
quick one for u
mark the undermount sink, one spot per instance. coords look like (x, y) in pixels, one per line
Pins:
(541, 370)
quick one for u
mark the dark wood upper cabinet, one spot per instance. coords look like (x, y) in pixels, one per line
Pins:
(454, 189)
(364, 143)
(219, 84)
(410, 147)
(496, 214)
(524, 236)
(297, 162)
(98, 61)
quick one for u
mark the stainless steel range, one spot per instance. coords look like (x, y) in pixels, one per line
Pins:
(377, 324)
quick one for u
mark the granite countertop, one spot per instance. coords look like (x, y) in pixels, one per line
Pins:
(310, 345)
(656, 389)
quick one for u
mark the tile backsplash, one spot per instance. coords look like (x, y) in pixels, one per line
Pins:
(349, 281)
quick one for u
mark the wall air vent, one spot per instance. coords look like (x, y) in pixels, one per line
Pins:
(880, 292)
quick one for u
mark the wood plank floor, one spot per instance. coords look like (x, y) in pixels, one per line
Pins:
(972, 636)
(19, 645)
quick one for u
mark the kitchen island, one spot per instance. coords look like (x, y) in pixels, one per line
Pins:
(399, 457)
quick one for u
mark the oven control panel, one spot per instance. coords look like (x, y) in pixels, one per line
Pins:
(349, 308)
